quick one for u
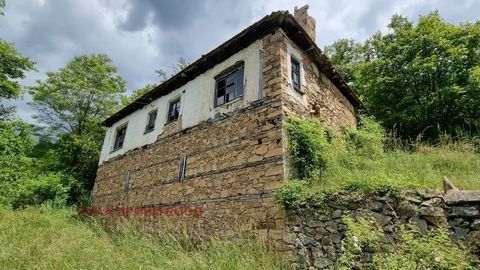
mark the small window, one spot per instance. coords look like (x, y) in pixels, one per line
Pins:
(173, 111)
(120, 137)
(296, 74)
(152, 117)
(182, 168)
(229, 86)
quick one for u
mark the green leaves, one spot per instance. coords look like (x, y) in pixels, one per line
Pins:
(417, 79)
(86, 89)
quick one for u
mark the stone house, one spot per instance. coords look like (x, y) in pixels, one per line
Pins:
(207, 147)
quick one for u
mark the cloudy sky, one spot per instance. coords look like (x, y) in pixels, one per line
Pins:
(143, 35)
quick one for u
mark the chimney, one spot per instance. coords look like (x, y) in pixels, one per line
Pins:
(306, 21)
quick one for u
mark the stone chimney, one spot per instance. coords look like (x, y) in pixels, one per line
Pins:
(305, 20)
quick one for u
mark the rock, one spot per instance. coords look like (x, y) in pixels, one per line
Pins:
(464, 211)
(460, 233)
(437, 221)
(314, 223)
(381, 220)
(375, 206)
(420, 223)
(432, 202)
(337, 237)
(429, 194)
(448, 185)
(462, 196)
(337, 213)
(431, 211)
(459, 222)
(414, 199)
(290, 238)
(407, 209)
(331, 226)
(475, 224)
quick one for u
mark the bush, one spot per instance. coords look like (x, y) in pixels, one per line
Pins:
(309, 147)
(54, 188)
(360, 163)
(413, 250)
(291, 193)
(367, 140)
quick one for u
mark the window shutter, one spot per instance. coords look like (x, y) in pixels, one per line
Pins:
(182, 168)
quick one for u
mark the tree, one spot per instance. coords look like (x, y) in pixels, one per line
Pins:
(13, 67)
(125, 100)
(2, 6)
(72, 102)
(86, 90)
(179, 66)
(346, 54)
(420, 78)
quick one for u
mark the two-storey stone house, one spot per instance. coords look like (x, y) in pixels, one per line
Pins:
(211, 137)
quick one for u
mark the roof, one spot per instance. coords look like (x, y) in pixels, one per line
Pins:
(267, 25)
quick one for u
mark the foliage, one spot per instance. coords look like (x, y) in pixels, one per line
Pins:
(417, 79)
(72, 102)
(413, 250)
(308, 147)
(367, 140)
(179, 66)
(13, 67)
(54, 238)
(86, 89)
(291, 193)
(346, 54)
(15, 144)
(360, 163)
(125, 100)
(361, 234)
(433, 250)
(53, 187)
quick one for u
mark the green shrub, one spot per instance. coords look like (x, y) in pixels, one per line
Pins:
(434, 250)
(309, 147)
(412, 250)
(368, 140)
(54, 187)
(291, 193)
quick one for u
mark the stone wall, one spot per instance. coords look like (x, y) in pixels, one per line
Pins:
(315, 237)
(233, 164)
(320, 98)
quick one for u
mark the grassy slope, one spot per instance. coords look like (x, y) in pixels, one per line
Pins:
(45, 238)
(423, 168)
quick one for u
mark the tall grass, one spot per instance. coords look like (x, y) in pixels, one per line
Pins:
(366, 160)
(48, 238)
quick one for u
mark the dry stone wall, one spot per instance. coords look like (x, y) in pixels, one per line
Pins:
(315, 237)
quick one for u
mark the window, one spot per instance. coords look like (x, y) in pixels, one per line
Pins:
(173, 111)
(152, 116)
(120, 137)
(296, 74)
(229, 85)
(182, 168)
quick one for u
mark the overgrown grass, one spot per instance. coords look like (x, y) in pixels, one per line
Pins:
(47, 238)
(360, 161)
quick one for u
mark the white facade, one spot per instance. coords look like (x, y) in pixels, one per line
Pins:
(197, 103)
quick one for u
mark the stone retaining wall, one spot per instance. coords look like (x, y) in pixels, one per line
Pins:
(315, 237)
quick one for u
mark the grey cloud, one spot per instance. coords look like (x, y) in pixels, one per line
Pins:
(166, 14)
(143, 35)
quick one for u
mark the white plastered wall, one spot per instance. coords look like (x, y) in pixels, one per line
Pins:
(197, 103)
